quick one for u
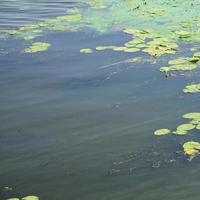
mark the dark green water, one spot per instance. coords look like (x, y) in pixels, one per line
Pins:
(72, 130)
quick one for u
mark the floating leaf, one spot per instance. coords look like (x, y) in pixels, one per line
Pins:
(184, 67)
(192, 88)
(30, 198)
(194, 115)
(180, 132)
(177, 61)
(37, 47)
(13, 198)
(86, 51)
(162, 132)
(191, 148)
(185, 127)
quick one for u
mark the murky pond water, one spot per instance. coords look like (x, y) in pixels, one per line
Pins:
(81, 126)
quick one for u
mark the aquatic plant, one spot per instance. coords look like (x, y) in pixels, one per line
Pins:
(192, 88)
(162, 132)
(37, 47)
(191, 148)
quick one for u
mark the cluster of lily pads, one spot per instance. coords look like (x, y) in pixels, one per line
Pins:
(155, 27)
(182, 63)
(190, 148)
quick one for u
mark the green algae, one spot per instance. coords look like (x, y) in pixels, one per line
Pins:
(37, 47)
(192, 88)
(160, 132)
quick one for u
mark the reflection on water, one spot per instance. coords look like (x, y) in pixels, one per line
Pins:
(72, 130)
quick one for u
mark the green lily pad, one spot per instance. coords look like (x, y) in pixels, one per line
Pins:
(30, 198)
(37, 47)
(191, 148)
(102, 48)
(185, 127)
(195, 121)
(160, 132)
(180, 132)
(177, 61)
(183, 67)
(194, 115)
(192, 88)
(13, 198)
(86, 50)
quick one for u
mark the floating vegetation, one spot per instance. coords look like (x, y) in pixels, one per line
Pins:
(25, 198)
(37, 47)
(86, 51)
(191, 148)
(192, 88)
(162, 132)
(30, 198)
(182, 67)
(195, 115)
(184, 128)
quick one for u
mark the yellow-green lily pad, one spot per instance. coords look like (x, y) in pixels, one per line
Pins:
(194, 115)
(86, 50)
(192, 88)
(160, 132)
(37, 47)
(13, 198)
(185, 127)
(30, 198)
(191, 148)
(177, 61)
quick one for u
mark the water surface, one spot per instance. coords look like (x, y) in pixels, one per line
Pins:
(73, 130)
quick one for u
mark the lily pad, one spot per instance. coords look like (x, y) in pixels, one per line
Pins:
(183, 67)
(192, 88)
(180, 132)
(30, 198)
(37, 47)
(191, 148)
(177, 61)
(160, 132)
(86, 50)
(13, 198)
(185, 127)
(194, 115)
